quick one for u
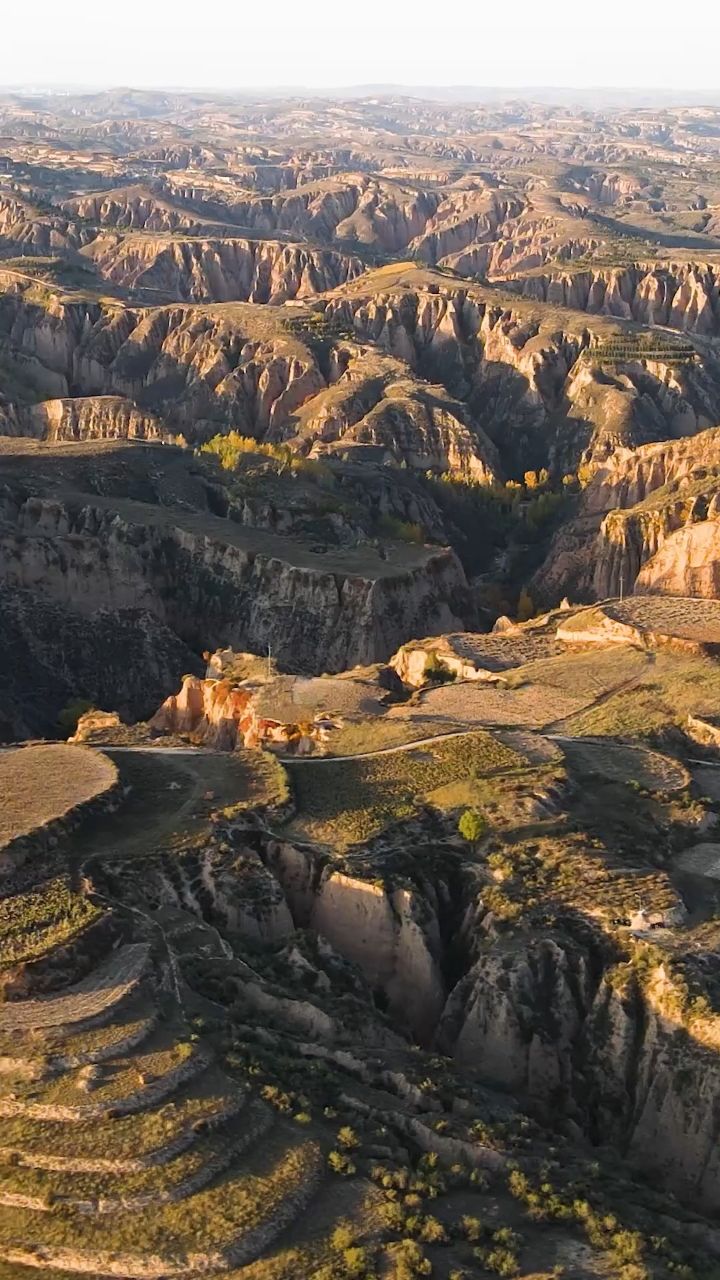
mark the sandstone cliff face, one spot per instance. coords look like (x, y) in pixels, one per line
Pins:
(391, 940)
(200, 371)
(464, 218)
(683, 296)
(352, 206)
(391, 935)
(132, 209)
(215, 584)
(88, 418)
(374, 403)
(534, 389)
(649, 517)
(687, 563)
(540, 1020)
(221, 270)
(532, 386)
(25, 230)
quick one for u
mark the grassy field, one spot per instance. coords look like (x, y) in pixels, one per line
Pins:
(621, 762)
(537, 694)
(48, 916)
(352, 800)
(130, 1139)
(213, 1220)
(40, 784)
(168, 797)
(672, 686)
(358, 736)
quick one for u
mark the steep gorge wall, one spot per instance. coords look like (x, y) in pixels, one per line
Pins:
(531, 383)
(619, 1060)
(683, 296)
(392, 935)
(212, 585)
(221, 270)
(649, 517)
(201, 371)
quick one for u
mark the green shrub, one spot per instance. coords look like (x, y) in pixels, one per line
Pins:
(70, 715)
(472, 825)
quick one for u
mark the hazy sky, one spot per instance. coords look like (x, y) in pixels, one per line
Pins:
(236, 44)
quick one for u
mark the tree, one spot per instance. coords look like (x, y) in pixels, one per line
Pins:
(347, 1138)
(472, 825)
(72, 712)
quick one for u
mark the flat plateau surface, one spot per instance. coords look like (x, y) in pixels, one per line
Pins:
(686, 617)
(40, 784)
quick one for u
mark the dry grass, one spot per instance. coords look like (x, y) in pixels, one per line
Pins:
(41, 784)
(212, 1221)
(671, 687)
(687, 618)
(133, 1138)
(351, 800)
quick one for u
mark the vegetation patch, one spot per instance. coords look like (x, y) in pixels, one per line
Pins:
(33, 923)
(350, 800)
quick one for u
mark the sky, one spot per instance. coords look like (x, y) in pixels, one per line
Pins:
(231, 44)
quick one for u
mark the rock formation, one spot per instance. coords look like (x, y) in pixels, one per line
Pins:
(220, 270)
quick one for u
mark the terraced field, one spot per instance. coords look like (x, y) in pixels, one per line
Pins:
(94, 996)
(687, 618)
(32, 923)
(622, 762)
(681, 617)
(41, 784)
(538, 693)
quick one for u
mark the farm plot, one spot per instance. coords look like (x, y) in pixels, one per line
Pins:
(687, 618)
(537, 694)
(672, 686)
(621, 762)
(41, 784)
(200, 1233)
(345, 801)
(104, 988)
(48, 916)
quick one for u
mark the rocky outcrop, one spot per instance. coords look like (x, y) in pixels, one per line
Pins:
(617, 1057)
(215, 583)
(221, 270)
(535, 388)
(374, 410)
(26, 230)
(132, 209)
(464, 218)
(684, 296)
(520, 379)
(392, 940)
(648, 519)
(201, 371)
(352, 207)
(392, 935)
(88, 418)
(223, 714)
(687, 563)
